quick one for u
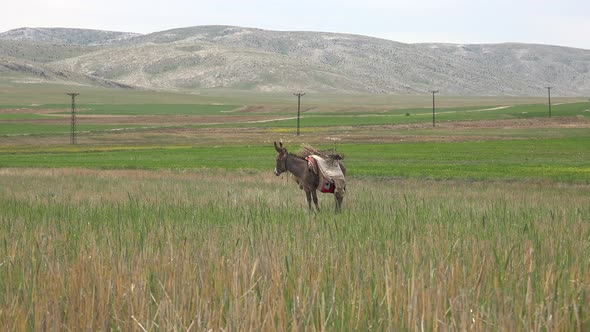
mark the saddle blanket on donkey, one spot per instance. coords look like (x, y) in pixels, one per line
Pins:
(330, 173)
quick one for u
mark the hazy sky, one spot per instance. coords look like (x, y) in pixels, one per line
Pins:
(563, 22)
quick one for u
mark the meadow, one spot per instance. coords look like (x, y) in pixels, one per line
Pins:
(54, 118)
(558, 159)
(41, 109)
(236, 250)
(167, 216)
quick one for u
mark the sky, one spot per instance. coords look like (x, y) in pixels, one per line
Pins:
(563, 22)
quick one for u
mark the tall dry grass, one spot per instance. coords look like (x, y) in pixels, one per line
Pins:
(136, 250)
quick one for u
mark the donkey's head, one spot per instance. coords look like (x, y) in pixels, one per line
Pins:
(281, 159)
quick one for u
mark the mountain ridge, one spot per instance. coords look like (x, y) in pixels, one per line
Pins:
(221, 56)
(72, 36)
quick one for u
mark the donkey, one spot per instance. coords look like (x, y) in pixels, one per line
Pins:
(308, 181)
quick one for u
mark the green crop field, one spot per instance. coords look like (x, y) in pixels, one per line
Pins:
(33, 120)
(33, 128)
(167, 215)
(565, 159)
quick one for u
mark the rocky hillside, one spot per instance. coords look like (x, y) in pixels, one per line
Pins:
(18, 70)
(254, 59)
(67, 36)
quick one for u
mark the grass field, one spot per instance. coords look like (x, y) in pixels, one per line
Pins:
(236, 250)
(564, 159)
(48, 118)
(167, 216)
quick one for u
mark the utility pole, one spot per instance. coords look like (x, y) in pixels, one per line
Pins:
(433, 92)
(549, 94)
(299, 95)
(74, 139)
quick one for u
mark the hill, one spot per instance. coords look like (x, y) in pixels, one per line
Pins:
(67, 36)
(261, 60)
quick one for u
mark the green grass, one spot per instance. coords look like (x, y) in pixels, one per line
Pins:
(560, 159)
(425, 116)
(398, 116)
(308, 120)
(489, 233)
(39, 129)
(133, 109)
(556, 159)
(36, 107)
(213, 250)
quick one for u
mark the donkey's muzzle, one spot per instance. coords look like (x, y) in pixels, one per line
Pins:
(277, 173)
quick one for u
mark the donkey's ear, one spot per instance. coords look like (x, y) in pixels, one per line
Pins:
(277, 148)
(281, 144)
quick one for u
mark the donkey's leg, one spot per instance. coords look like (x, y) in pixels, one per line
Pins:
(308, 195)
(314, 194)
(338, 197)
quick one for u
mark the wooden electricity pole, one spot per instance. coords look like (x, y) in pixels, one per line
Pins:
(433, 116)
(74, 138)
(549, 94)
(299, 95)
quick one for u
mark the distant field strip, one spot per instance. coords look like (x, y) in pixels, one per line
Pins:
(132, 109)
(156, 109)
(443, 112)
(30, 122)
(406, 116)
(472, 111)
(564, 159)
(23, 116)
(16, 129)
